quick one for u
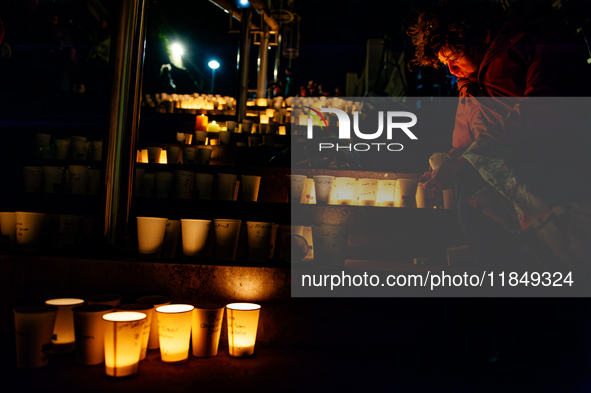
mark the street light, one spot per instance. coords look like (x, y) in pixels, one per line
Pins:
(214, 65)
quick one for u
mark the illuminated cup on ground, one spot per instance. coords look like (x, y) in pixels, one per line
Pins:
(52, 179)
(225, 187)
(243, 321)
(203, 156)
(171, 239)
(8, 230)
(259, 239)
(322, 186)
(183, 184)
(64, 339)
(156, 301)
(33, 326)
(147, 309)
(173, 154)
(154, 154)
(385, 195)
(296, 188)
(250, 187)
(368, 192)
(89, 330)
(206, 329)
(226, 238)
(30, 228)
(308, 191)
(334, 244)
(150, 235)
(224, 138)
(32, 176)
(203, 186)
(188, 138)
(345, 187)
(174, 331)
(163, 182)
(200, 137)
(123, 342)
(406, 191)
(189, 155)
(77, 179)
(109, 299)
(194, 233)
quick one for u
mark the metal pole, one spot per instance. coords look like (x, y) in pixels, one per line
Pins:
(124, 119)
(243, 64)
(263, 66)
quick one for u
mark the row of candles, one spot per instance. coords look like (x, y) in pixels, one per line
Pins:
(103, 330)
(328, 189)
(73, 148)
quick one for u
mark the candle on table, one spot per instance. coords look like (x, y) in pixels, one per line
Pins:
(201, 123)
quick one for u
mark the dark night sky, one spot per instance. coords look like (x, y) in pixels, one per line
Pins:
(332, 41)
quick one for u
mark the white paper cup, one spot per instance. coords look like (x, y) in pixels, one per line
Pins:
(297, 184)
(224, 138)
(200, 137)
(154, 154)
(203, 186)
(76, 138)
(386, 189)
(173, 154)
(109, 299)
(247, 126)
(231, 125)
(206, 330)
(94, 181)
(52, 179)
(250, 187)
(148, 185)
(150, 233)
(285, 233)
(253, 141)
(194, 234)
(64, 339)
(345, 188)
(226, 238)
(406, 191)
(203, 156)
(33, 327)
(29, 230)
(147, 309)
(334, 244)
(183, 184)
(171, 239)
(156, 301)
(310, 240)
(189, 155)
(259, 240)
(242, 320)
(322, 187)
(89, 330)
(225, 187)
(42, 139)
(33, 176)
(123, 342)
(77, 179)
(8, 230)
(79, 150)
(61, 149)
(96, 151)
(70, 228)
(174, 329)
(368, 192)
(163, 184)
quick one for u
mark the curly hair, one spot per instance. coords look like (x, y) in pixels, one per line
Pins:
(457, 25)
